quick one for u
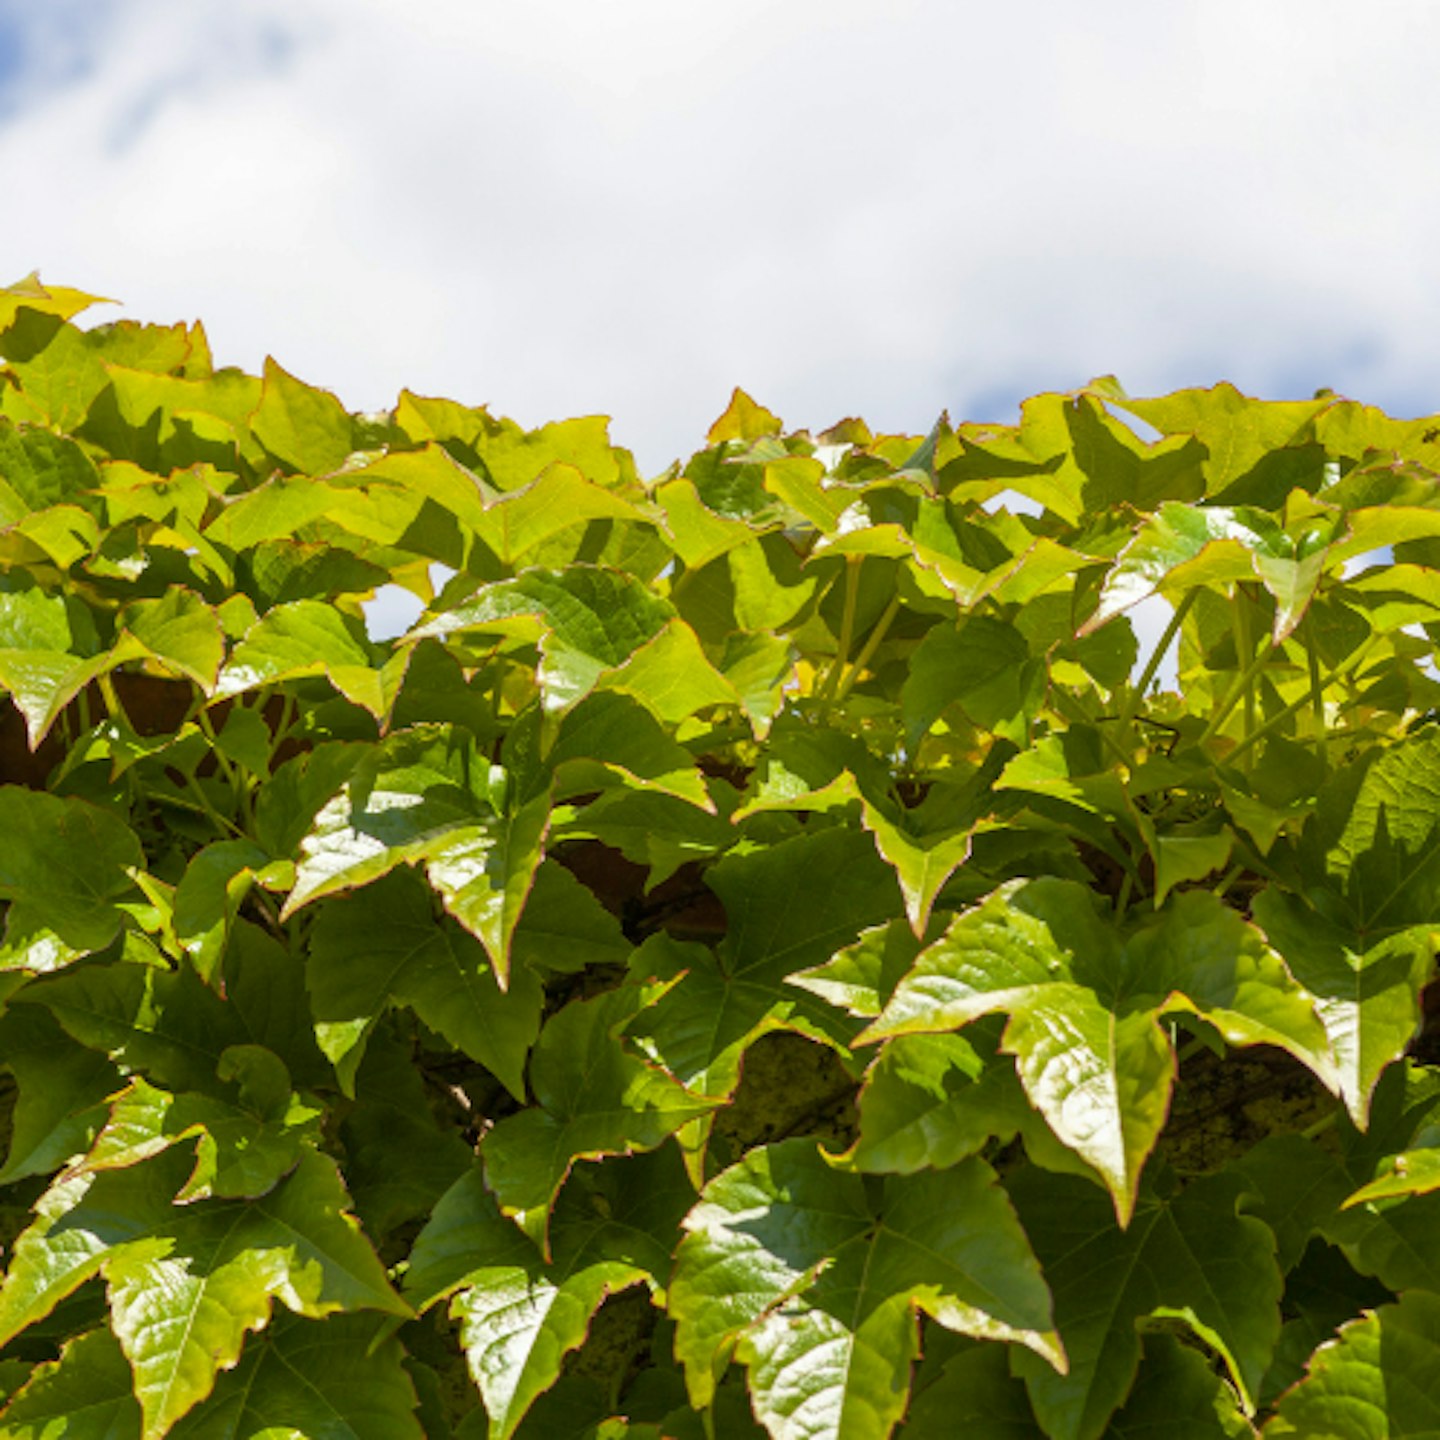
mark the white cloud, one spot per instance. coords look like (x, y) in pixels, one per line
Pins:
(561, 207)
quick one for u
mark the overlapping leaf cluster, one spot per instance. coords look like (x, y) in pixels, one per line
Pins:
(768, 952)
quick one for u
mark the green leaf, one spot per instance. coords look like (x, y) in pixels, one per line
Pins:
(700, 1028)
(1185, 545)
(1295, 1185)
(743, 420)
(246, 1142)
(305, 428)
(308, 637)
(484, 875)
(613, 1227)
(182, 632)
(41, 470)
(384, 946)
(1375, 839)
(593, 1098)
(174, 1030)
(923, 862)
(862, 977)
(339, 1379)
(671, 676)
(209, 896)
(399, 1156)
(1361, 939)
(59, 375)
(1179, 1396)
(930, 1100)
(591, 619)
(817, 1286)
(982, 665)
(84, 1395)
(186, 1283)
(1235, 429)
(1192, 1259)
(975, 1396)
(564, 928)
(557, 499)
(426, 796)
(63, 864)
(1085, 1002)
(610, 735)
(277, 510)
(1411, 1172)
(1380, 1380)
(63, 1089)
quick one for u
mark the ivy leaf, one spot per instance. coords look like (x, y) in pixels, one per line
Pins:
(930, 1100)
(564, 928)
(383, 946)
(306, 428)
(593, 1098)
(520, 1317)
(182, 632)
(559, 497)
(983, 665)
(276, 510)
(245, 1142)
(425, 796)
(209, 896)
(309, 637)
(63, 1088)
(338, 1379)
(862, 977)
(726, 1000)
(484, 874)
(84, 1395)
(1360, 938)
(400, 1157)
(1295, 1186)
(1380, 1376)
(671, 675)
(817, 1286)
(1085, 1002)
(923, 863)
(186, 1283)
(64, 864)
(170, 1027)
(592, 620)
(1191, 1258)
(975, 1396)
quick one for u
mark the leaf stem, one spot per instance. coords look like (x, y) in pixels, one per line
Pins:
(1233, 695)
(1317, 695)
(1152, 665)
(1244, 645)
(872, 643)
(1339, 673)
(847, 625)
(1227, 880)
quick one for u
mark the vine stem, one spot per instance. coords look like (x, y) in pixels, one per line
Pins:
(871, 645)
(1152, 665)
(1339, 673)
(1232, 696)
(1317, 694)
(847, 625)
(1245, 645)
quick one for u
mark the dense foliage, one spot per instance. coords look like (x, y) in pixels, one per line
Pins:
(762, 954)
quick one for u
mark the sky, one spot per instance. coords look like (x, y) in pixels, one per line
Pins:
(887, 208)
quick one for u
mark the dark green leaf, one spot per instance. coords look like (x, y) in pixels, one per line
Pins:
(817, 1286)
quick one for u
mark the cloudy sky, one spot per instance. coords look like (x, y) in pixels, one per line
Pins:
(561, 207)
